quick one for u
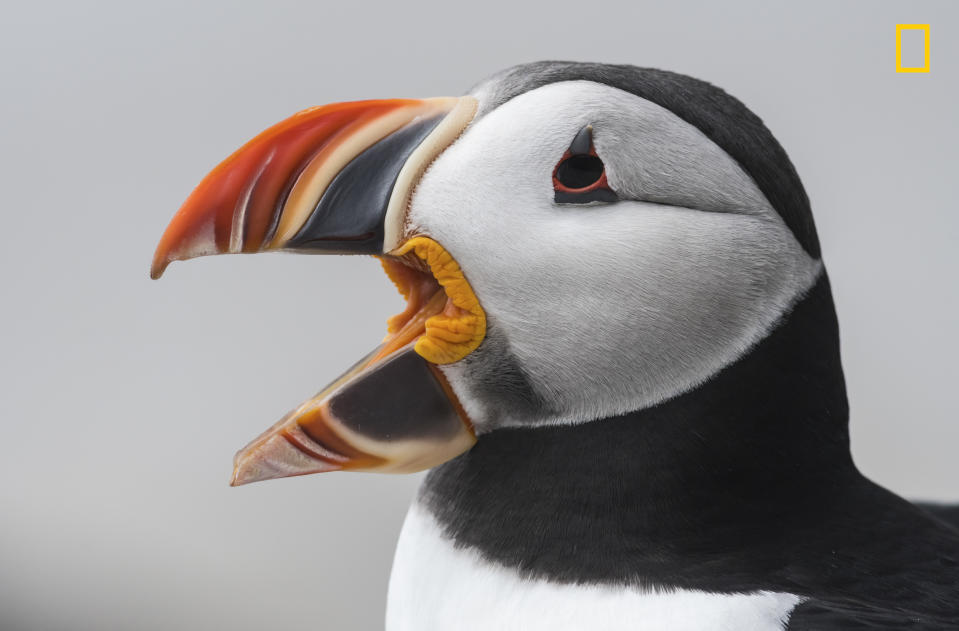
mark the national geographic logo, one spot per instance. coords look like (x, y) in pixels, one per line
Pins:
(912, 47)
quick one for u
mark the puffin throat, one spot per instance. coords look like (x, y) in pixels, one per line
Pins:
(442, 316)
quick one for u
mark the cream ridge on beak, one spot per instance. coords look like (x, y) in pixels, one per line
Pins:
(338, 179)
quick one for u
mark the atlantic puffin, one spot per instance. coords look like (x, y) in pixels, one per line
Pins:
(619, 360)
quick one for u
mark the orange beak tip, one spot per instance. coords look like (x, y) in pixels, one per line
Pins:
(272, 456)
(247, 470)
(243, 473)
(156, 270)
(237, 479)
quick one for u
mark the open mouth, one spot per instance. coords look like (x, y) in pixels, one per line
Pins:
(352, 423)
(442, 314)
(338, 179)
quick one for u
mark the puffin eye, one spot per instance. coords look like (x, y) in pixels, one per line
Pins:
(580, 175)
(580, 171)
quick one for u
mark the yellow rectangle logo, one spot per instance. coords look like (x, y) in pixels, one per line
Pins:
(912, 27)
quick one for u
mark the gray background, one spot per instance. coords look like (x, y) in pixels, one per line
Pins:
(125, 399)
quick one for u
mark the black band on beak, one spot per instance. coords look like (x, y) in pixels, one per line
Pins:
(349, 216)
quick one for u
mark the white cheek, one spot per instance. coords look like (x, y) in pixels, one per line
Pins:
(647, 303)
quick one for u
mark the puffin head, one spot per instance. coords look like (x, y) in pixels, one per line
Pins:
(574, 241)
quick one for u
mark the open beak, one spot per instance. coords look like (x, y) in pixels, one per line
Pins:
(338, 179)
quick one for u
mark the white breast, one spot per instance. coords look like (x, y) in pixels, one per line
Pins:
(437, 587)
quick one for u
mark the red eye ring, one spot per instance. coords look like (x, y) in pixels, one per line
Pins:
(579, 173)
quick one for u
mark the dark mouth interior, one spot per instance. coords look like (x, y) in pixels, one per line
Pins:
(424, 296)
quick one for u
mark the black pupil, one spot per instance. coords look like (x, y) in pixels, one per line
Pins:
(579, 171)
